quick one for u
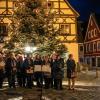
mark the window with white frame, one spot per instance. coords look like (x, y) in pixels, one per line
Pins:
(87, 47)
(81, 48)
(91, 46)
(65, 28)
(94, 46)
(92, 34)
(98, 45)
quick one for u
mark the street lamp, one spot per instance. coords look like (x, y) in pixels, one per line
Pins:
(29, 49)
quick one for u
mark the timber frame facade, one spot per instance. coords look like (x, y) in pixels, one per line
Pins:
(92, 42)
(65, 20)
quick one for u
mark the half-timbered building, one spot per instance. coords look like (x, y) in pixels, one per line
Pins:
(92, 41)
(65, 20)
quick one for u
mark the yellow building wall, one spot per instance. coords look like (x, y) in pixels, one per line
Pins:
(73, 49)
(65, 15)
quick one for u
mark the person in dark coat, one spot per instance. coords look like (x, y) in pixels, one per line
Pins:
(20, 72)
(60, 73)
(38, 74)
(10, 69)
(71, 71)
(54, 67)
(2, 67)
(28, 65)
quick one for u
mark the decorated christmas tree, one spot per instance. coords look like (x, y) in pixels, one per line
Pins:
(32, 23)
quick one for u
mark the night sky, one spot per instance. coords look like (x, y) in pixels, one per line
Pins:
(85, 7)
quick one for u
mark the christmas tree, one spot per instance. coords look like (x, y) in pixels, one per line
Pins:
(33, 23)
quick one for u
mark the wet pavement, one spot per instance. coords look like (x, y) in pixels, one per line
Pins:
(87, 88)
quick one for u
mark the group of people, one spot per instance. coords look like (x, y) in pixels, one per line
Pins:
(23, 71)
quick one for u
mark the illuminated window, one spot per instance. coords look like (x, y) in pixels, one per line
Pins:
(64, 29)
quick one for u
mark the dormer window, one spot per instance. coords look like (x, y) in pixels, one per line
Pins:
(92, 33)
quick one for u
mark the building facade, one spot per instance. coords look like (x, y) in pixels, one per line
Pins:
(65, 20)
(92, 42)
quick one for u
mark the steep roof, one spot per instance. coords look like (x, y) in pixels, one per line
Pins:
(82, 27)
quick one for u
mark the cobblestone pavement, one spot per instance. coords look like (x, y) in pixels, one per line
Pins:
(87, 88)
(81, 93)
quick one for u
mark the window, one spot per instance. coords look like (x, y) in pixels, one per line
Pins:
(93, 62)
(88, 61)
(81, 48)
(87, 47)
(98, 62)
(3, 29)
(64, 29)
(98, 45)
(92, 33)
(94, 46)
(81, 60)
(91, 47)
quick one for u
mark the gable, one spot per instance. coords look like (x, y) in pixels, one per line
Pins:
(71, 8)
(63, 7)
(92, 29)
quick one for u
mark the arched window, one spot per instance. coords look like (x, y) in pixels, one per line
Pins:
(92, 33)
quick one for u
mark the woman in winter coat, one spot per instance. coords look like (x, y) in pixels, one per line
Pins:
(71, 66)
